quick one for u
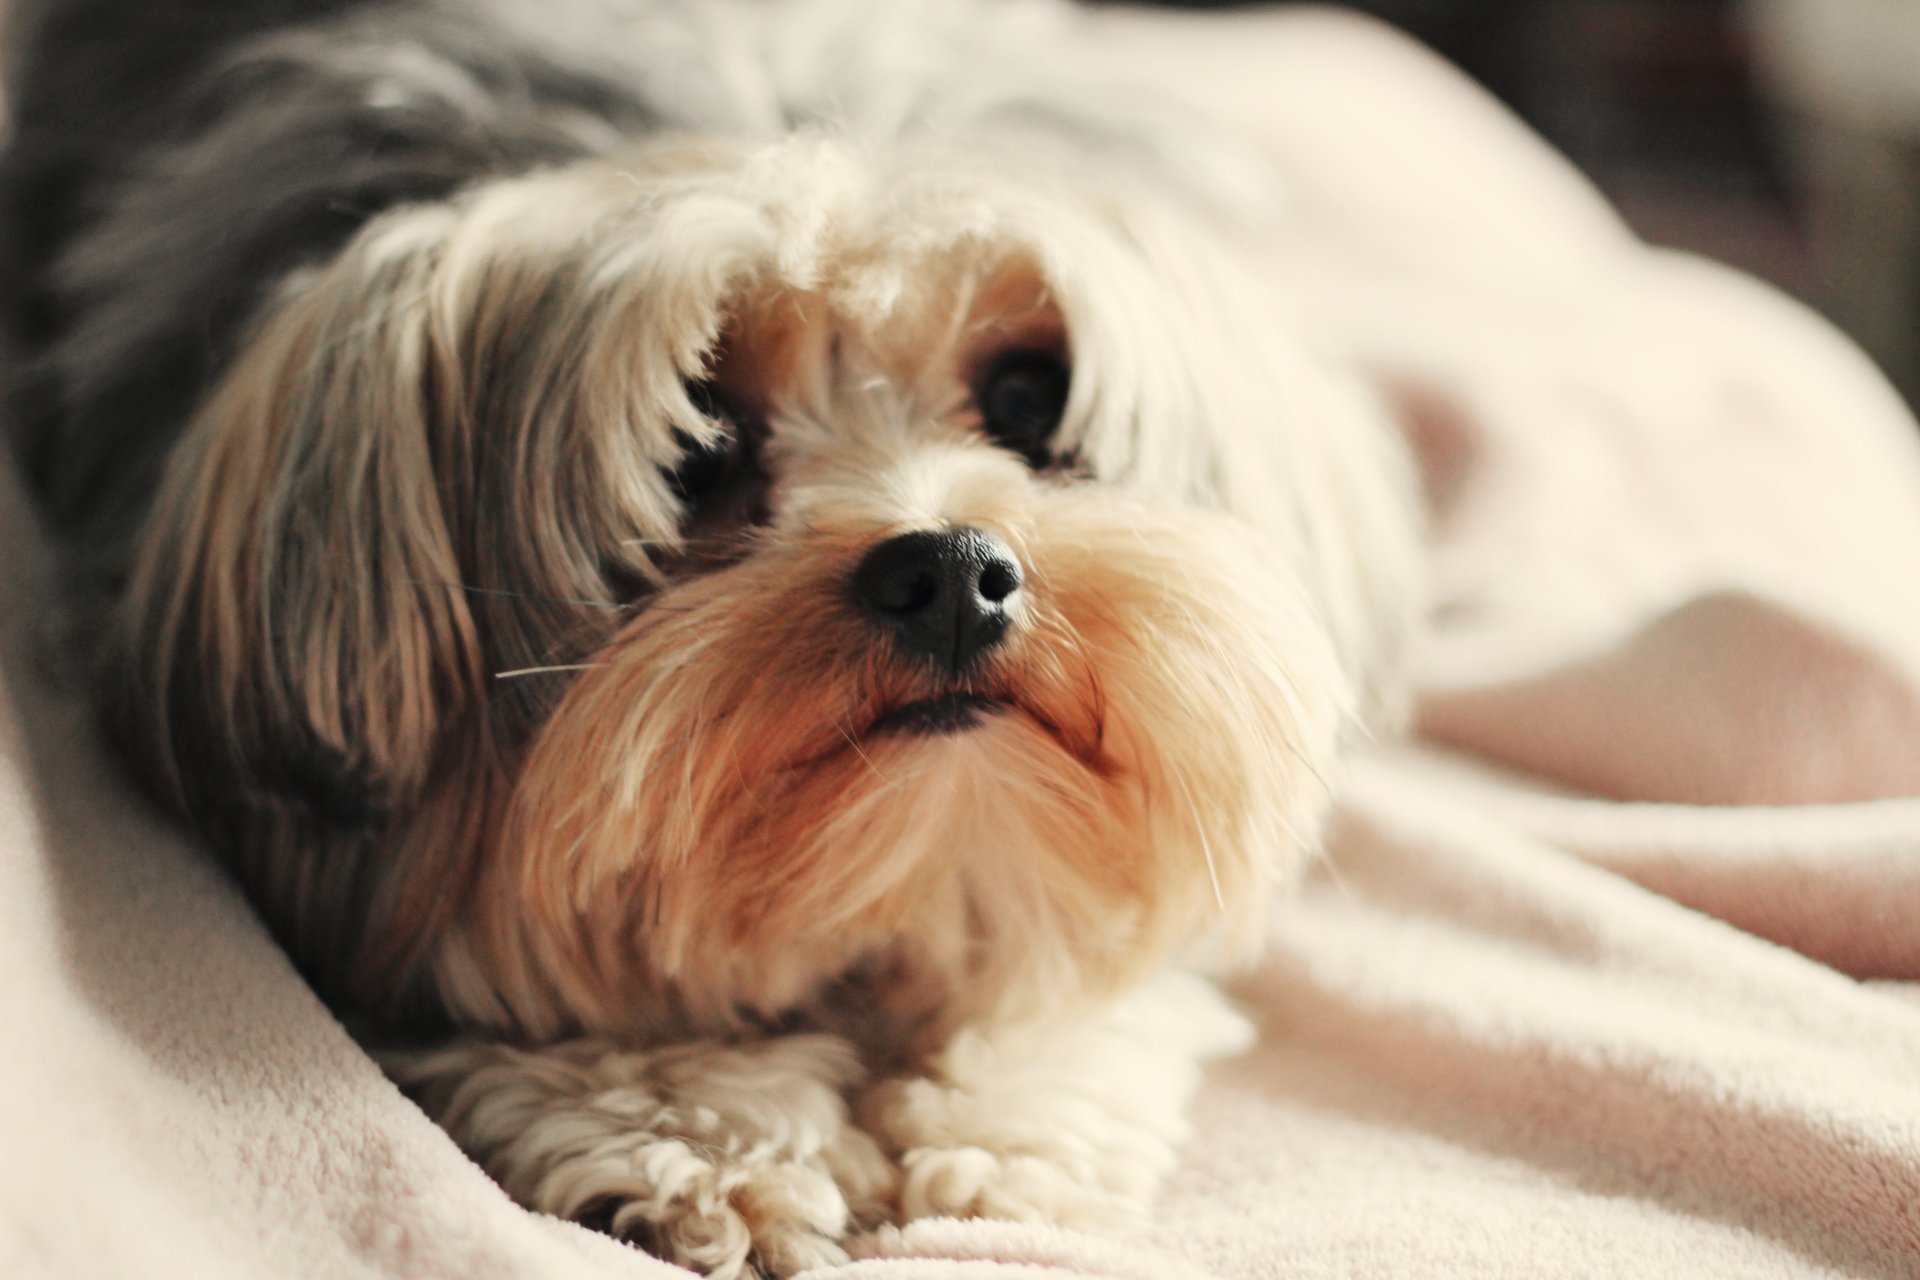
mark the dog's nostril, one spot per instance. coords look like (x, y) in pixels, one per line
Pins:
(942, 595)
(999, 579)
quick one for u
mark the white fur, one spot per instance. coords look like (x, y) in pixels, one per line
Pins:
(705, 844)
(743, 1159)
(710, 1153)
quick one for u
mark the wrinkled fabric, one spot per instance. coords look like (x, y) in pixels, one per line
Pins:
(1606, 973)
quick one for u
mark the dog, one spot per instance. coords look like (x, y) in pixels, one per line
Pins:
(755, 591)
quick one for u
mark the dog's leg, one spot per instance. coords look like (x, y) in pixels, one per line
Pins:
(736, 1160)
(1072, 1121)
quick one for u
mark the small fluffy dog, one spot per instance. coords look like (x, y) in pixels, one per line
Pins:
(755, 576)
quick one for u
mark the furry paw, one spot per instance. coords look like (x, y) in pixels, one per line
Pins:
(731, 1210)
(971, 1182)
(1054, 1121)
(735, 1161)
(963, 1155)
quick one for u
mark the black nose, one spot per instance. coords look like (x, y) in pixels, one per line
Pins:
(942, 595)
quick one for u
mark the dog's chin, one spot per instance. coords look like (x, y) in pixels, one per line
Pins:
(984, 721)
(943, 715)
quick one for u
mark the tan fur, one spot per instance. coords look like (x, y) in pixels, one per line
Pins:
(615, 774)
(744, 812)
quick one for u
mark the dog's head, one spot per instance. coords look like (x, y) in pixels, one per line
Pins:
(659, 590)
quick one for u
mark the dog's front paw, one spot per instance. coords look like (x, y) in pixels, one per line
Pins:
(1070, 1121)
(1003, 1148)
(720, 1205)
(972, 1182)
(736, 1161)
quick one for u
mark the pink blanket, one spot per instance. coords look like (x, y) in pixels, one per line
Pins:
(1606, 975)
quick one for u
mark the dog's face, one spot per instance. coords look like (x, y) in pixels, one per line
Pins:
(654, 593)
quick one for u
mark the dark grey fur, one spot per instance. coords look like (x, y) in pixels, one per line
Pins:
(171, 162)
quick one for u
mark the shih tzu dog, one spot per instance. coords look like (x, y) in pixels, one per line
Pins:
(754, 580)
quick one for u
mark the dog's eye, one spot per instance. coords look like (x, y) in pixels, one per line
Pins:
(705, 470)
(1021, 400)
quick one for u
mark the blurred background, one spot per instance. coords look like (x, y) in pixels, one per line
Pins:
(1782, 136)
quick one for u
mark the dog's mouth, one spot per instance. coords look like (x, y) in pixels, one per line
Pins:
(949, 713)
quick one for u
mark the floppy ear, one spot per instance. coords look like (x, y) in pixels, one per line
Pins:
(1219, 402)
(492, 384)
(439, 455)
(293, 640)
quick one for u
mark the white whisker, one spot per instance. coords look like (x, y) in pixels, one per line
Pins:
(1206, 846)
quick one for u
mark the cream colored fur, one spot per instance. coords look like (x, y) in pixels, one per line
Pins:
(739, 1159)
(737, 972)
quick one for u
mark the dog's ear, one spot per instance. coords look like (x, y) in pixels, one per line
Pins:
(1216, 399)
(442, 455)
(294, 615)
(293, 640)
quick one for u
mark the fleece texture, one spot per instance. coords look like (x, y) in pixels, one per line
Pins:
(1608, 970)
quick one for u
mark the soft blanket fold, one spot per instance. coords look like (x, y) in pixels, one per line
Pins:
(1578, 990)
